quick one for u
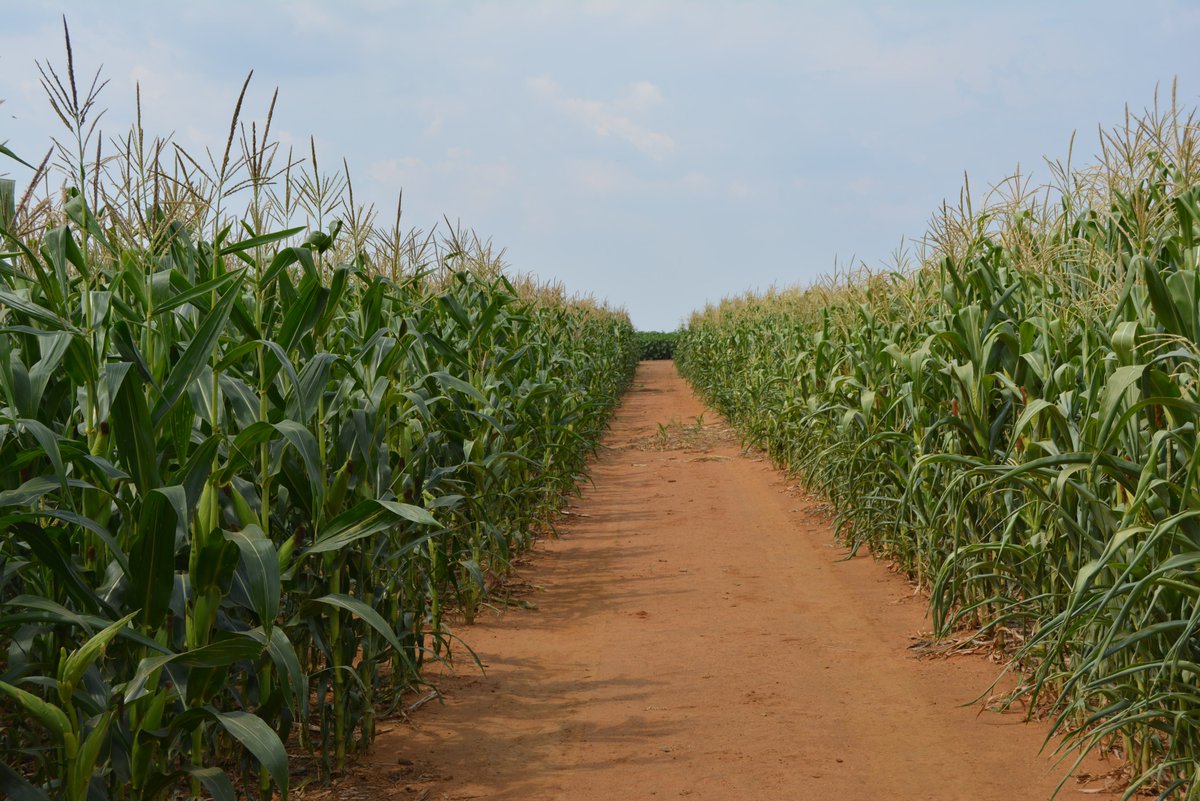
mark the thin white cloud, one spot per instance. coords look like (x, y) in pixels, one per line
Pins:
(612, 118)
(641, 96)
(742, 190)
(436, 112)
(595, 177)
(863, 185)
(697, 182)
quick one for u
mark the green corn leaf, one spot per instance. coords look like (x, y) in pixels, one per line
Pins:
(221, 653)
(258, 572)
(302, 314)
(152, 555)
(49, 443)
(53, 719)
(365, 520)
(310, 386)
(36, 488)
(259, 241)
(195, 357)
(79, 213)
(305, 444)
(1120, 388)
(216, 782)
(62, 252)
(81, 770)
(364, 613)
(47, 544)
(5, 151)
(447, 380)
(83, 657)
(133, 431)
(199, 294)
(284, 259)
(16, 787)
(260, 740)
(287, 662)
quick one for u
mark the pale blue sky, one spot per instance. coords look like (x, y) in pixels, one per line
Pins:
(656, 154)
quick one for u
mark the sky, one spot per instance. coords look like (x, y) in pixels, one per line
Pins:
(657, 155)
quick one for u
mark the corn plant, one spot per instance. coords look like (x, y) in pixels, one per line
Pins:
(255, 448)
(657, 345)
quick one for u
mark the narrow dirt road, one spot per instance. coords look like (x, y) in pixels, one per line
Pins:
(695, 635)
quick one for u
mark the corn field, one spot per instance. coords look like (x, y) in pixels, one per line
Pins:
(1013, 421)
(657, 345)
(255, 446)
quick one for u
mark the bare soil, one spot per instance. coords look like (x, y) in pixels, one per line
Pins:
(696, 633)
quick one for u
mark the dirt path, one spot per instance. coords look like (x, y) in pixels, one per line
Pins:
(696, 636)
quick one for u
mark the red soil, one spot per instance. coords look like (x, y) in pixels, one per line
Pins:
(696, 634)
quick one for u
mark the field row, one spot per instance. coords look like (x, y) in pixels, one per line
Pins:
(1014, 422)
(254, 444)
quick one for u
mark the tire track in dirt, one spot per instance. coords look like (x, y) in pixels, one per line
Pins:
(696, 635)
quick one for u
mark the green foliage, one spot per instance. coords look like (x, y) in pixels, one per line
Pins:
(657, 344)
(246, 467)
(1014, 423)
